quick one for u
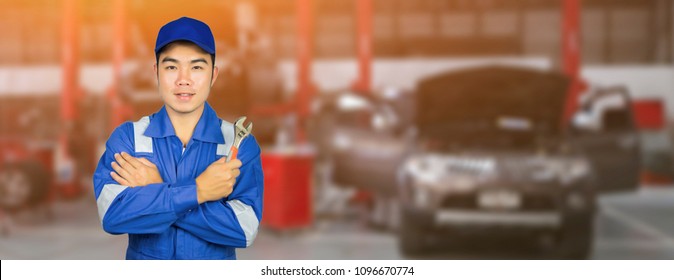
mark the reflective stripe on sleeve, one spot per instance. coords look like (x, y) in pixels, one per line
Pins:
(227, 129)
(247, 219)
(142, 143)
(108, 194)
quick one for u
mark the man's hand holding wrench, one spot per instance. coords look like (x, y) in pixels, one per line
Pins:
(240, 133)
(217, 181)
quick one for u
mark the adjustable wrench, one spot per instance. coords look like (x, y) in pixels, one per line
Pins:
(240, 132)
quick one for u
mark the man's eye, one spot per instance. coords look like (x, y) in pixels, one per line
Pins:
(197, 67)
(171, 67)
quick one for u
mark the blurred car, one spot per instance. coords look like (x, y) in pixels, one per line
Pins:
(483, 153)
(26, 151)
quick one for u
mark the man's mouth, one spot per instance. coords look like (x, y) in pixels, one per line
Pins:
(186, 96)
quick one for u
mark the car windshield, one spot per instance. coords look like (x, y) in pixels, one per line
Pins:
(501, 106)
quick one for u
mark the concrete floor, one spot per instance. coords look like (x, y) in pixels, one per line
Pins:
(629, 226)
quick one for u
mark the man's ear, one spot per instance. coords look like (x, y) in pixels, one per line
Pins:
(215, 75)
(156, 73)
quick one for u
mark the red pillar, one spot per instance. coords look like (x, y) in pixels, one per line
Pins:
(118, 112)
(571, 58)
(364, 44)
(304, 55)
(70, 70)
(64, 165)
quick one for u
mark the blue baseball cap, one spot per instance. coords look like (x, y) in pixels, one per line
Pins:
(187, 29)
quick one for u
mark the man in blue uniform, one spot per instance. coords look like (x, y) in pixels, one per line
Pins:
(164, 180)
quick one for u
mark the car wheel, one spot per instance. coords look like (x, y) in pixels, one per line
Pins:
(411, 238)
(576, 239)
(22, 185)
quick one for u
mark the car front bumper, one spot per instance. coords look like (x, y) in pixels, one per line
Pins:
(550, 220)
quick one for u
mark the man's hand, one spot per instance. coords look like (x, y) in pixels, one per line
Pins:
(134, 172)
(217, 181)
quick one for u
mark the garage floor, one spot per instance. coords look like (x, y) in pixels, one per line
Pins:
(629, 226)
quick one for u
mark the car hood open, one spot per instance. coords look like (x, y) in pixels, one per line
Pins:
(490, 102)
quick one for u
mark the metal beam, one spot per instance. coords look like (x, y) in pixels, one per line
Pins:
(364, 45)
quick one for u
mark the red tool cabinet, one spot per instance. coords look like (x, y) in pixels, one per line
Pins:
(287, 190)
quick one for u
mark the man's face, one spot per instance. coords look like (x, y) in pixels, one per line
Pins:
(185, 77)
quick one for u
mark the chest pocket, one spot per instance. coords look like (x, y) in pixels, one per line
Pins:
(143, 144)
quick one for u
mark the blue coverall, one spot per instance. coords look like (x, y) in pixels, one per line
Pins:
(165, 221)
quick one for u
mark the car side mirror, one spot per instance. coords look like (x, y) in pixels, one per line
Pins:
(606, 110)
(585, 122)
(384, 119)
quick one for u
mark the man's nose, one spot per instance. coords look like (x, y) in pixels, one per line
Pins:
(184, 78)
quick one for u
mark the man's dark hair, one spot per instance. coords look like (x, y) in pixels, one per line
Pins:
(182, 42)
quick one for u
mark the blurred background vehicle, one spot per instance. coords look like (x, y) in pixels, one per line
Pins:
(484, 151)
(335, 91)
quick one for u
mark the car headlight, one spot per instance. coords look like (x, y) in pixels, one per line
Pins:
(565, 170)
(445, 171)
(575, 169)
(423, 170)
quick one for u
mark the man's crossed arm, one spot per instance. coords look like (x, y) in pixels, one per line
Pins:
(216, 182)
